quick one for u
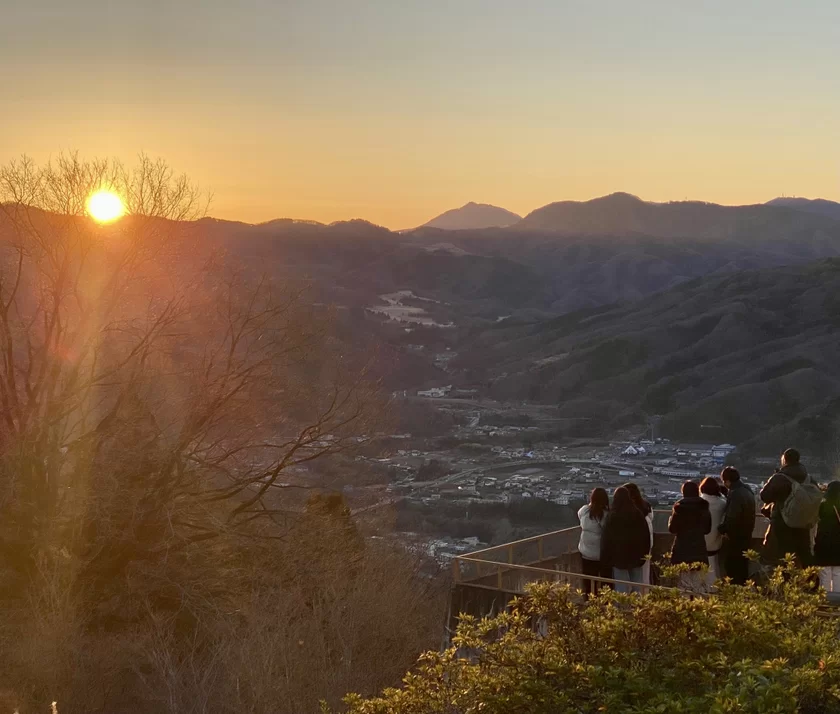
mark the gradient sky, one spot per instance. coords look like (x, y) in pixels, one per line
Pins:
(396, 110)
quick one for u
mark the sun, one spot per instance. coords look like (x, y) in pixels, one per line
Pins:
(105, 207)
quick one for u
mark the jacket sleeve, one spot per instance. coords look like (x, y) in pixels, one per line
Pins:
(674, 522)
(730, 515)
(776, 489)
(708, 521)
(607, 543)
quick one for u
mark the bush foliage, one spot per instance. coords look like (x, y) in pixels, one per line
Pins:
(742, 649)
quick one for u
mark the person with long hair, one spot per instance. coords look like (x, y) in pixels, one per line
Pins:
(625, 541)
(592, 517)
(710, 493)
(647, 512)
(690, 522)
(827, 541)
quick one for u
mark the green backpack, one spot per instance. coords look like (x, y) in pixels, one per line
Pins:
(802, 508)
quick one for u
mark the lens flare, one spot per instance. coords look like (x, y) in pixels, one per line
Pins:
(105, 207)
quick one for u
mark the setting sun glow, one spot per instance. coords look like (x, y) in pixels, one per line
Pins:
(105, 207)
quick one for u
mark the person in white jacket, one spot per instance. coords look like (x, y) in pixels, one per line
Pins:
(710, 492)
(592, 517)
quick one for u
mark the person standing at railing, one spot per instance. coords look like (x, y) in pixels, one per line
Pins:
(737, 526)
(592, 517)
(827, 542)
(792, 501)
(690, 522)
(710, 493)
(625, 541)
(647, 511)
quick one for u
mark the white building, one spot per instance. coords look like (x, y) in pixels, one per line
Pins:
(435, 392)
(721, 451)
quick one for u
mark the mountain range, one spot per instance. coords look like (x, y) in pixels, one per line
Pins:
(622, 213)
(612, 309)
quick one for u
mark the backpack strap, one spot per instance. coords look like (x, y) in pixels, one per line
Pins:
(836, 513)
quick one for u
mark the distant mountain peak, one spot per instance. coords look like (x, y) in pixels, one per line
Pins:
(621, 196)
(820, 206)
(474, 216)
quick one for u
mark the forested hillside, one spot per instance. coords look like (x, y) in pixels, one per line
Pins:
(756, 353)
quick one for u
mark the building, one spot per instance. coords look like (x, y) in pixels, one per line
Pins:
(435, 392)
(721, 451)
(676, 472)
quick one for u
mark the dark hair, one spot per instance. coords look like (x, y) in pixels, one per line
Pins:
(832, 492)
(710, 486)
(730, 473)
(690, 489)
(790, 457)
(638, 500)
(623, 501)
(599, 503)
(724, 491)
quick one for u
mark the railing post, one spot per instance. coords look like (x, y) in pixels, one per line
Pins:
(499, 578)
(510, 553)
(456, 570)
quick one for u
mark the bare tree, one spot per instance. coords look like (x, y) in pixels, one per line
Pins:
(150, 395)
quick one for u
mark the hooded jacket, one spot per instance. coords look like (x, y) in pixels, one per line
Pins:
(777, 489)
(690, 522)
(780, 538)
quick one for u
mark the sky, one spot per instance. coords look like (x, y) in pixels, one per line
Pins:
(397, 110)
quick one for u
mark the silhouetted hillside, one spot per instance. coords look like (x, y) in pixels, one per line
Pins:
(819, 206)
(756, 353)
(623, 214)
(495, 270)
(474, 216)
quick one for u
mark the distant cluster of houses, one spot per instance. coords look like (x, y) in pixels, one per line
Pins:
(716, 453)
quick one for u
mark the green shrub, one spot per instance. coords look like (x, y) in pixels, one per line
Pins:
(768, 649)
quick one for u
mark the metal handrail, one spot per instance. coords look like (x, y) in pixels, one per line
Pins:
(556, 574)
(521, 541)
(480, 556)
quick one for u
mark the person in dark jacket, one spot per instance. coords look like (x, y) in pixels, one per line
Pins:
(647, 512)
(780, 539)
(827, 542)
(690, 522)
(737, 526)
(625, 541)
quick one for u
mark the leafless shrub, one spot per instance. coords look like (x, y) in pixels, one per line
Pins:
(153, 400)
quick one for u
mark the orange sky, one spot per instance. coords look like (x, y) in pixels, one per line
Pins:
(329, 110)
